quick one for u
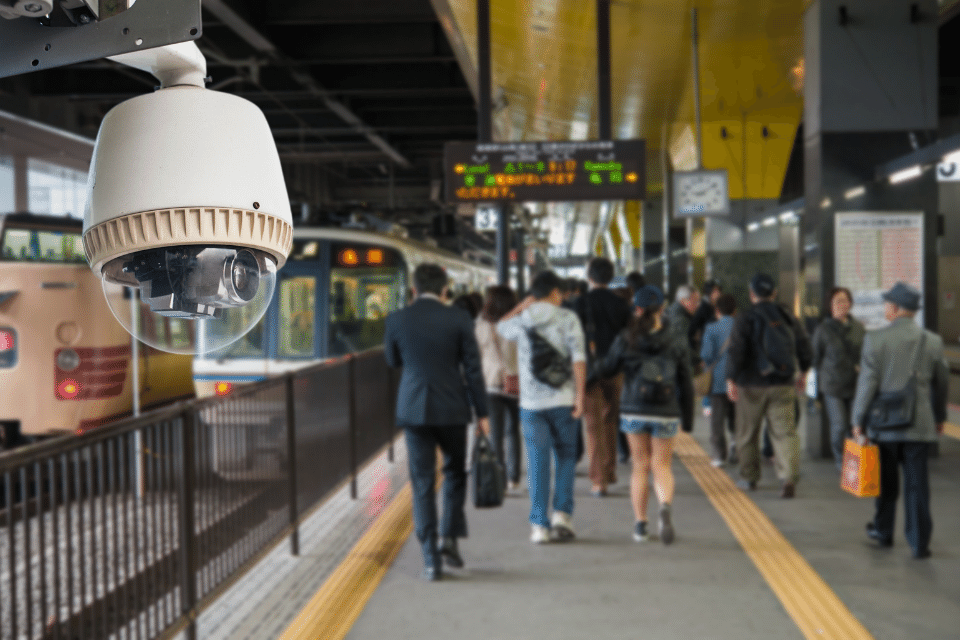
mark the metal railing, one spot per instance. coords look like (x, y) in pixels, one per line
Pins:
(131, 530)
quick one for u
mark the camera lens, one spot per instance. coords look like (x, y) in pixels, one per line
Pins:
(240, 277)
(244, 275)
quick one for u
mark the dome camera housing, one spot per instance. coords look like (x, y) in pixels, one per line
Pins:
(187, 203)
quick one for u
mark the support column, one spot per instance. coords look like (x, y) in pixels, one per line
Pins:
(870, 95)
(21, 185)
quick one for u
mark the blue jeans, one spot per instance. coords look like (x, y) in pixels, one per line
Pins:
(542, 430)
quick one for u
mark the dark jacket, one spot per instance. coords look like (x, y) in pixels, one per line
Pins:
(836, 355)
(436, 346)
(609, 314)
(742, 365)
(627, 358)
(704, 315)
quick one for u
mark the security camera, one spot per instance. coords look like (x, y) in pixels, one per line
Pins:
(186, 200)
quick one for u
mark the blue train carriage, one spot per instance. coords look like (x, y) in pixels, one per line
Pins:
(331, 300)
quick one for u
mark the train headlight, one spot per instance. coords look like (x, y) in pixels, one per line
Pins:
(187, 204)
(68, 360)
(68, 389)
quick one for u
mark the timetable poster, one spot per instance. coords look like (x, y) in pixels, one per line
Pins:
(874, 251)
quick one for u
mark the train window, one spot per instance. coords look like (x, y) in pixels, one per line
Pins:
(42, 246)
(304, 250)
(298, 302)
(366, 284)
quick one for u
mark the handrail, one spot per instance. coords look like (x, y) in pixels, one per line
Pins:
(217, 471)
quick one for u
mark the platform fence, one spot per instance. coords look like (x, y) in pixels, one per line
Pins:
(132, 529)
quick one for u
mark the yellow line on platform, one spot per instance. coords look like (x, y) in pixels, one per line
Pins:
(812, 604)
(951, 430)
(335, 607)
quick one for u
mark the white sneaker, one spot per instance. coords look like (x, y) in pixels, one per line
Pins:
(561, 526)
(539, 535)
(717, 462)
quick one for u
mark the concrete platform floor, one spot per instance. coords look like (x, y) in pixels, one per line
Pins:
(604, 585)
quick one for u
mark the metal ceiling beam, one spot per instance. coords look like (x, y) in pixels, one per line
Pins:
(259, 42)
(342, 131)
(254, 96)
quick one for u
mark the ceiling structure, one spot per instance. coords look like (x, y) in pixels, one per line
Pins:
(361, 96)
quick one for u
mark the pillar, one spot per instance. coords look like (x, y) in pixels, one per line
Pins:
(870, 96)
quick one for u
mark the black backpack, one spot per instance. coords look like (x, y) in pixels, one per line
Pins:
(658, 378)
(776, 343)
(548, 365)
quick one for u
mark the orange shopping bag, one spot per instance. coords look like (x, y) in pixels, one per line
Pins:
(861, 469)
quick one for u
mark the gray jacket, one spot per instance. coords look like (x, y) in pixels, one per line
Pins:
(888, 357)
(836, 353)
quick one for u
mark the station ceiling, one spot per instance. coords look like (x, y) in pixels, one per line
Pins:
(361, 96)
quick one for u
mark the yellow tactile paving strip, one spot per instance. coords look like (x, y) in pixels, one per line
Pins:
(814, 607)
(335, 607)
(809, 601)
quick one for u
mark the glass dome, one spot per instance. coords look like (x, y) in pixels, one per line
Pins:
(190, 300)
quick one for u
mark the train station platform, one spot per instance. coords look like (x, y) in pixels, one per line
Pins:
(743, 565)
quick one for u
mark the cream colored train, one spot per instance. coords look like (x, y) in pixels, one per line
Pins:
(65, 361)
(332, 298)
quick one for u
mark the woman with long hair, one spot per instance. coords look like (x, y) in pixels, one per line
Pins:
(657, 380)
(837, 344)
(498, 357)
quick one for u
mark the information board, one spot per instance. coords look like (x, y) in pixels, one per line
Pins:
(545, 171)
(873, 252)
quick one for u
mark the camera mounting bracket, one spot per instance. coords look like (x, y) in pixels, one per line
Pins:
(32, 44)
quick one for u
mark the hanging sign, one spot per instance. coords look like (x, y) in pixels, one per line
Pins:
(545, 171)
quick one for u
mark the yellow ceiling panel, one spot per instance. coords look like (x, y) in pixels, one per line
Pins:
(544, 69)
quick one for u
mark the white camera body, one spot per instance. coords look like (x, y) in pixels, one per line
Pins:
(186, 200)
(185, 196)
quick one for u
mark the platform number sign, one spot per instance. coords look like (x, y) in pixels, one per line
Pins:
(486, 219)
(948, 172)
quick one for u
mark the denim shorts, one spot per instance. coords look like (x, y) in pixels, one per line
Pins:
(666, 428)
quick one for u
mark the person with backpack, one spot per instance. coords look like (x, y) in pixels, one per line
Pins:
(768, 348)
(713, 352)
(551, 360)
(657, 379)
(603, 314)
(837, 343)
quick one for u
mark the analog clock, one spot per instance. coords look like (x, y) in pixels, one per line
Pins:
(700, 193)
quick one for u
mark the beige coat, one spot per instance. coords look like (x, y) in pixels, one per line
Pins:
(498, 356)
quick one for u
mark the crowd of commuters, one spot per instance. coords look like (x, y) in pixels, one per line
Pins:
(588, 369)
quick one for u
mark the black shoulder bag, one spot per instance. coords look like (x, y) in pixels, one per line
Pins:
(894, 410)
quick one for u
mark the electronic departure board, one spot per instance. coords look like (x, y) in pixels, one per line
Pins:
(545, 171)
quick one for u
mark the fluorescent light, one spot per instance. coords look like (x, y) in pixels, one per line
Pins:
(826, 202)
(769, 222)
(788, 216)
(753, 226)
(906, 174)
(856, 192)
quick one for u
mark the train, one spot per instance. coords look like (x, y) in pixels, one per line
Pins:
(331, 299)
(65, 361)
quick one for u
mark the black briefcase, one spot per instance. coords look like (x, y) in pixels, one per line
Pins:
(488, 477)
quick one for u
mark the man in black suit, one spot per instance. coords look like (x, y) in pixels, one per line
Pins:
(435, 345)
